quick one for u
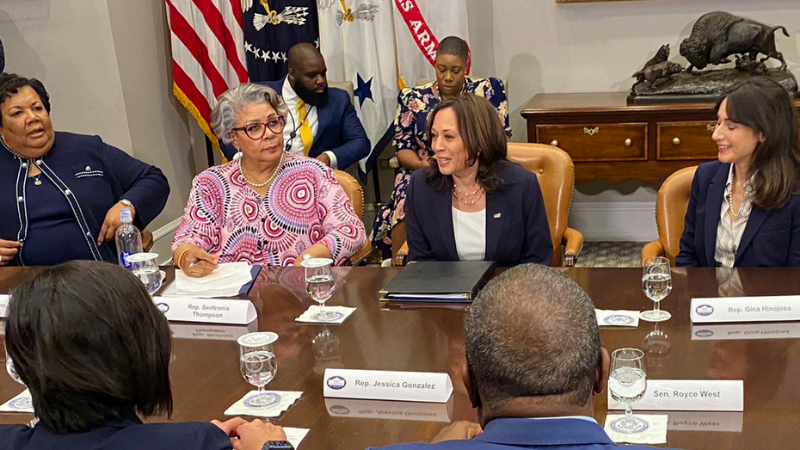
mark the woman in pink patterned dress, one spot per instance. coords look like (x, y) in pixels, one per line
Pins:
(268, 207)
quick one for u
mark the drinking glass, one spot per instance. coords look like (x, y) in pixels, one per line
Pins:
(656, 284)
(627, 383)
(320, 285)
(258, 366)
(145, 266)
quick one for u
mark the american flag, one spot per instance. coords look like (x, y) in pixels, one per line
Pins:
(208, 57)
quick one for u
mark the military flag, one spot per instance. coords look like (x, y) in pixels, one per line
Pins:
(357, 41)
(271, 28)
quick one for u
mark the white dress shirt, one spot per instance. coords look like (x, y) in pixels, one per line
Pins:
(293, 122)
(729, 233)
(469, 229)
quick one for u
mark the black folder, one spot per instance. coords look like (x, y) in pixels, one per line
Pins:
(438, 281)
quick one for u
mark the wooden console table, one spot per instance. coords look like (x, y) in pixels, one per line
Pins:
(609, 139)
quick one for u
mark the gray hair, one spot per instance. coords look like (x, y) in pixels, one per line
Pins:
(532, 332)
(226, 112)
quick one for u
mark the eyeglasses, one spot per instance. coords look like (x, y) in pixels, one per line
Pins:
(256, 130)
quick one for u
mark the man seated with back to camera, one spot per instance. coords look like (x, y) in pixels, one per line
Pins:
(534, 360)
(322, 121)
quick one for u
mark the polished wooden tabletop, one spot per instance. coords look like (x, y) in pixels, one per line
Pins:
(206, 379)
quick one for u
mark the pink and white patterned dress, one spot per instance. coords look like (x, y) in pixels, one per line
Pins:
(304, 205)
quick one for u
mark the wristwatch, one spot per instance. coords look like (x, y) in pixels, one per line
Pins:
(277, 445)
(126, 202)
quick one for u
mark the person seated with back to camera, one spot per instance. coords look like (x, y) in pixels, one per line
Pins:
(471, 203)
(321, 122)
(744, 209)
(270, 207)
(61, 193)
(94, 350)
(532, 385)
(413, 106)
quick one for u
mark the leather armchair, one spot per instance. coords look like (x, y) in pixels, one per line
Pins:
(671, 204)
(556, 174)
(355, 193)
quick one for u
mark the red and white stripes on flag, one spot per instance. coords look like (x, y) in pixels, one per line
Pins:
(207, 54)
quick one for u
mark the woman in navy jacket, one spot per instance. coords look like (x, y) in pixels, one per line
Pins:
(744, 209)
(471, 203)
(89, 343)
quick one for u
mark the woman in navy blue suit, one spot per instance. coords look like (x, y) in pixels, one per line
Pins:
(471, 203)
(744, 209)
(94, 351)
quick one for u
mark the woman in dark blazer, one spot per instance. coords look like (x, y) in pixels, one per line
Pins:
(744, 210)
(471, 203)
(89, 343)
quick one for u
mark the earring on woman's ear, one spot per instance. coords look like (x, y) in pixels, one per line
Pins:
(238, 155)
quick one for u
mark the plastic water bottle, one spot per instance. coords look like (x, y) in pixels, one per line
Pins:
(128, 239)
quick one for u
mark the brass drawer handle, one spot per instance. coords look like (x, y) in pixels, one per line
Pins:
(676, 141)
(554, 143)
(591, 131)
(628, 142)
(710, 127)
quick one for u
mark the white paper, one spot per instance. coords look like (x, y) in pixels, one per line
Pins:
(280, 401)
(654, 431)
(386, 385)
(341, 314)
(212, 332)
(768, 330)
(730, 422)
(688, 395)
(4, 298)
(21, 403)
(617, 318)
(746, 309)
(295, 435)
(206, 310)
(226, 281)
(383, 409)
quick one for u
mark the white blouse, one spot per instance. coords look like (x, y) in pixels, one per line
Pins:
(469, 229)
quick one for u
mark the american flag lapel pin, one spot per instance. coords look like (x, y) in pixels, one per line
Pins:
(497, 215)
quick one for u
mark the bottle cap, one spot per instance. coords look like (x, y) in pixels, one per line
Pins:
(125, 216)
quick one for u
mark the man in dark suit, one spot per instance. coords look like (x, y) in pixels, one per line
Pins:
(322, 122)
(533, 362)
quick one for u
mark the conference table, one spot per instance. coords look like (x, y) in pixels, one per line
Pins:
(206, 379)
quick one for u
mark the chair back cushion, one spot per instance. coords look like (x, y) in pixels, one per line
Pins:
(671, 205)
(346, 86)
(556, 174)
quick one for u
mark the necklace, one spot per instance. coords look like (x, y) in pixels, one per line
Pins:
(36, 180)
(467, 194)
(271, 177)
(468, 202)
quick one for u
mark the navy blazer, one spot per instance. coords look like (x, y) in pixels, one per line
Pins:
(517, 230)
(124, 435)
(536, 434)
(339, 129)
(770, 238)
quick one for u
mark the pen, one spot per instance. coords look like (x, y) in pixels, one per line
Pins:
(197, 260)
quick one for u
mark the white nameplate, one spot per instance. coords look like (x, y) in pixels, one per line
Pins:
(4, 298)
(730, 422)
(746, 309)
(212, 332)
(384, 385)
(207, 310)
(382, 409)
(689, 395)
(774, 330)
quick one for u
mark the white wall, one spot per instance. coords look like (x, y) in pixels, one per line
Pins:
(543, 46)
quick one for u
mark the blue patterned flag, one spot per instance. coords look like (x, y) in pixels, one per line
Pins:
(271, 28)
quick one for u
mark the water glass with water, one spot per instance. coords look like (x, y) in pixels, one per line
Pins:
(627, 384)
(656, 284)
(320, 285)
(145, 266)
(257, 364)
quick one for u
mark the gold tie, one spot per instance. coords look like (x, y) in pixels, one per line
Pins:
(305, 127)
